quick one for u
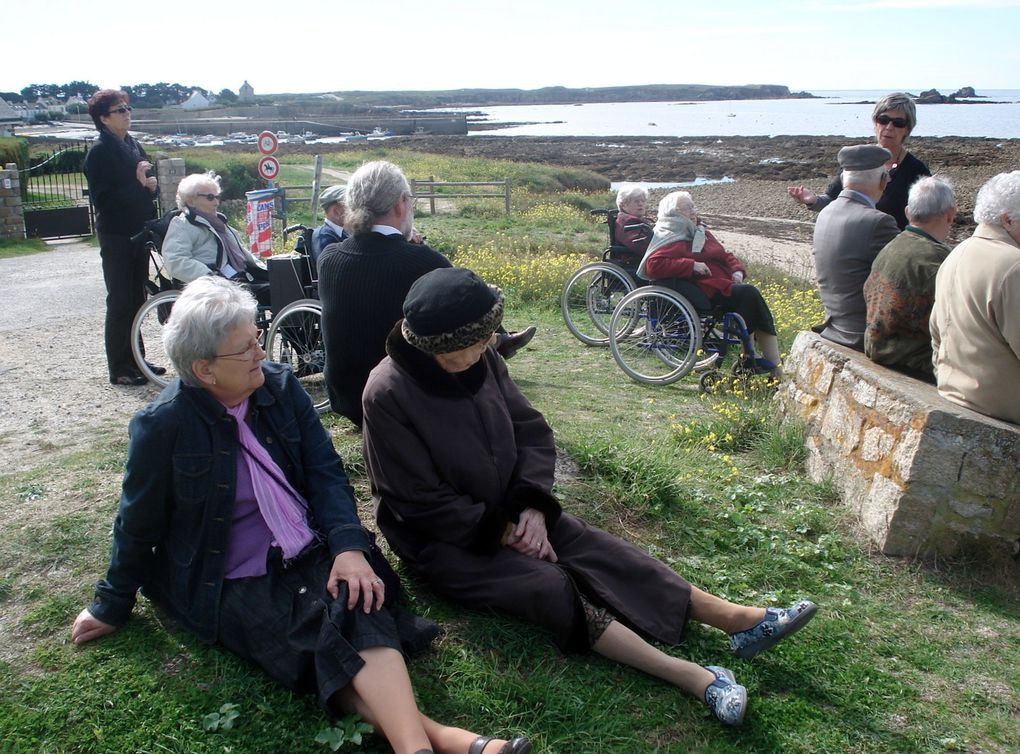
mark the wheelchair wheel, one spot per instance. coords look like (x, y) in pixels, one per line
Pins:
(147, 337)
(589, 298)
(295, 339)
(655, 335)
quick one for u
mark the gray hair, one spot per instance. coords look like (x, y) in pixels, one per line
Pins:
(630, 192)
(863, 178)
(897, 101)
(208, 308)
(930, 197)
(670, 203)
(999, 196)
(192, 185)
(373, 190)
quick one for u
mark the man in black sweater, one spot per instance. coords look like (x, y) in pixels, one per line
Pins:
(364, 279)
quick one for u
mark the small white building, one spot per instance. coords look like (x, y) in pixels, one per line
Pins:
(197, 101)
(246, 93)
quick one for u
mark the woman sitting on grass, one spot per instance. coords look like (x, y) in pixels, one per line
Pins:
(461, 467)
(237, 517)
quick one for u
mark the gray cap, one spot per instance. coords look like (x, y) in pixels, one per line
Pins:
(332, 194)
(863, 157)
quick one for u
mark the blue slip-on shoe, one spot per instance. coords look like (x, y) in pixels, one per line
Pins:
(725, 697)
(776, 626)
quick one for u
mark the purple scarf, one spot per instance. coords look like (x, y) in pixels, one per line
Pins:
(235, 255)
(280, 505)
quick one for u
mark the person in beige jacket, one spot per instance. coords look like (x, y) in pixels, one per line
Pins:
(975, 323)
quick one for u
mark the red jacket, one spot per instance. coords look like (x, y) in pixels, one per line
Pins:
(675, 260)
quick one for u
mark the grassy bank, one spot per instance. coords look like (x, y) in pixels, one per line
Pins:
(901, 658)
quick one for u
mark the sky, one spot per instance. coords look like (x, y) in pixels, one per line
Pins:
(319, 46)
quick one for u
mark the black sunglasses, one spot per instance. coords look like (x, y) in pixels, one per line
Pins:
(210, 197)
(885, 120)
(121, 109)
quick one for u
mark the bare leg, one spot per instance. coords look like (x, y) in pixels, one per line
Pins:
(718, 613)
(381, 693)
(623, 645)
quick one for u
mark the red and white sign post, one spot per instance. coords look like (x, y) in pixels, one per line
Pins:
(260, 203)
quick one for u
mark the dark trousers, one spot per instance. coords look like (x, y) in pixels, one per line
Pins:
(125, 267)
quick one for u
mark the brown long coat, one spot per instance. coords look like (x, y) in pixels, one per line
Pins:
(452, 459)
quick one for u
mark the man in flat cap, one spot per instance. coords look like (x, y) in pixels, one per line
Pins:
(332, 229)
(848, 235)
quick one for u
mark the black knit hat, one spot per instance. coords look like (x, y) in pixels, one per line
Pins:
(449, 309)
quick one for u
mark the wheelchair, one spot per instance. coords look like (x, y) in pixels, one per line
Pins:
(592, 293)
(655, 333)
(291, 324)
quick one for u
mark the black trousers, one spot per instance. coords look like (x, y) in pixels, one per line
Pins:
(125, 267)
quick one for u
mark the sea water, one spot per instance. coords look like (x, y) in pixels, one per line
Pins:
(834, 113)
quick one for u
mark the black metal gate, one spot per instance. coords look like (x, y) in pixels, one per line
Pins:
(56, 199)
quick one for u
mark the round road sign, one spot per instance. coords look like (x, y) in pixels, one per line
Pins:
(268, 143)
(269, 168)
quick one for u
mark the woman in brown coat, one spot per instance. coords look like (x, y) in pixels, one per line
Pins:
(461, 466)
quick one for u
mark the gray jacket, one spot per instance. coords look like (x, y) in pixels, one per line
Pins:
(848, 236)
(192, 249)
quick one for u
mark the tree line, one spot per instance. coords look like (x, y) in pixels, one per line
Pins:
(142, 95)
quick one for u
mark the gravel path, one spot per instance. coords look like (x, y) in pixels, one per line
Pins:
(55, 395)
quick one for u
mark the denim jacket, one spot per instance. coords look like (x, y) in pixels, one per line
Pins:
(172, 529)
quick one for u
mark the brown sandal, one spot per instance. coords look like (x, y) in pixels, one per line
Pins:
(519, 745)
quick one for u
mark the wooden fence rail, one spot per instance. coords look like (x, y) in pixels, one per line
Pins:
(427, 189)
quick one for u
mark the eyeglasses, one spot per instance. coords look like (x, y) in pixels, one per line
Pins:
(120, 110)
(210, 197)
(248, 353)
(885, 120)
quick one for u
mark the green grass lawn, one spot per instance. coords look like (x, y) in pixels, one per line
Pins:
(902, 657)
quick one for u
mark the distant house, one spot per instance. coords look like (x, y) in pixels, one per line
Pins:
(246, 93)
(9, 118)
(197, 101)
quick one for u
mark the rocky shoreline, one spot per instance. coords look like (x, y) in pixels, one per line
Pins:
(762, 167)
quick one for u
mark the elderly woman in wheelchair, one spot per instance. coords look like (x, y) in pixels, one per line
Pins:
(684, 256)
(199, 242)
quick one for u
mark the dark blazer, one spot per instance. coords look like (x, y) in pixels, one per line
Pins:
(848, 236)
(122, 203)
(172, 529)
(894, 199)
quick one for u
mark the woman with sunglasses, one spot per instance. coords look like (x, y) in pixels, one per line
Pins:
(122, 189)
(894, 117)
(199, 242)
(236, 516)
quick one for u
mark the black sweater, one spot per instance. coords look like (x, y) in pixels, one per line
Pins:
(122, 203)
(362, 285)
(894, 198)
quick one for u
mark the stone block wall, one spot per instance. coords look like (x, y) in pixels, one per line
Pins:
(12, 215)
(169, 173)
(925, 476)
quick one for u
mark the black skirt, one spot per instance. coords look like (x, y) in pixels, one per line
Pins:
(290, 626)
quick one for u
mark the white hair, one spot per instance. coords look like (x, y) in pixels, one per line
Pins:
(672, 202)
(207, 310)
(630, 192)
(373, 190)
(192, 185)
(863, 178)
(999, 196)
(930, 197)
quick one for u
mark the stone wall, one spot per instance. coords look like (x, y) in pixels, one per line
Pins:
(925, 476)
(12, 215)
(169, 173)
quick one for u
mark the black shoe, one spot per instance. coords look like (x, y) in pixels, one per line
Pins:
(128, 380)
(158, 371)
(510, 343)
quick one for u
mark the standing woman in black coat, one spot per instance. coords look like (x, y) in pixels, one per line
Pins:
(117, 170)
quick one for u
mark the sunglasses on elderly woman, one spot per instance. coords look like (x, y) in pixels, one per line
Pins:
(885, 120)
(120, 110)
